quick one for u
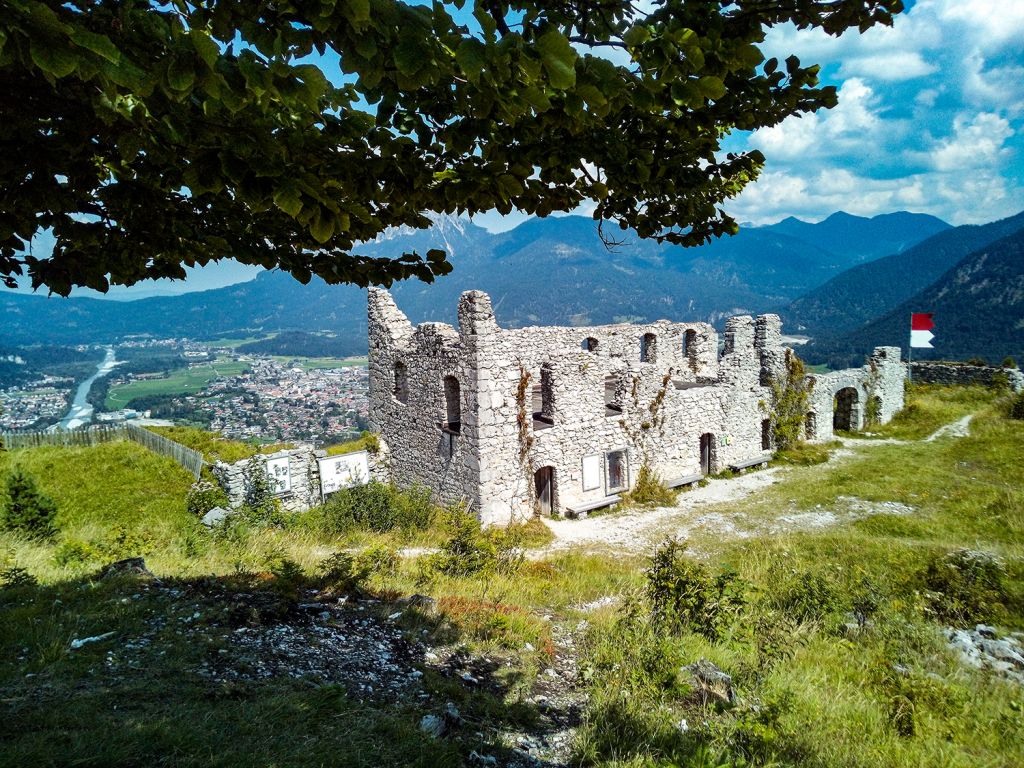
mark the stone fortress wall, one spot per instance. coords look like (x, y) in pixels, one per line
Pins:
(509, 421)
(949, 374)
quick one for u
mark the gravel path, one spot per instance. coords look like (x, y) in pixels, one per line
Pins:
(638, 530)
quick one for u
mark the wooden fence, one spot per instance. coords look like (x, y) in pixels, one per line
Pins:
(188, 458)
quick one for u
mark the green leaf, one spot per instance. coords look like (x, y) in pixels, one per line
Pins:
(205, 46)
(357, 11)
(98, 44)
(53, 59)
(471, 57)
(289, 200)
(711, 87)
(180, 74)
(411, 53)
(636, 35)
(322, 226)
(559, 59)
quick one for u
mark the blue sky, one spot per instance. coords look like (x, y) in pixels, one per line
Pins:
(930, 119)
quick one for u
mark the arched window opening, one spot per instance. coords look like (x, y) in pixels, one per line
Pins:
(544, 399)
(846, 410)
(589, 344)
(452, 404)
(612, 406)
(690, 343)
(648, 348)
(401, 390)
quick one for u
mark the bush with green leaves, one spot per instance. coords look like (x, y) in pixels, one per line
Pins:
(470, 550)
(27, 510)
(684, 595)
(650, 490)
(1008, 362)
(1017, 407)
(803, 595)
(261, 508)
(790, 395)
(72, 552)
(378, 507)
(348, 572)
(204, 496)
(965, 586)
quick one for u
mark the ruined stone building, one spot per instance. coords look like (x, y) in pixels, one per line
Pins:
(560, 420)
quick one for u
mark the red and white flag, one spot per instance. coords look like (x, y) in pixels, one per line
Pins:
(921, 325)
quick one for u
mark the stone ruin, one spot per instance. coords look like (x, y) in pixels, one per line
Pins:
(557, 420)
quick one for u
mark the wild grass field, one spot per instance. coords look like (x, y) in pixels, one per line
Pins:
(181, 381)
(832, 632)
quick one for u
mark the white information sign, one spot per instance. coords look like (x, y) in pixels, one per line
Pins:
(280, 476)
(591, 472)
(345, 471)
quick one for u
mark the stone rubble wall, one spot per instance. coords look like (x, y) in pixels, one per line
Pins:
(302, 467)
(951, 374)
(882, 377)
(421, 451)
(304, 472)
(562, 374)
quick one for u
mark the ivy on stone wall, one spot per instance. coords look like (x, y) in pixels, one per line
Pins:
(790, 394)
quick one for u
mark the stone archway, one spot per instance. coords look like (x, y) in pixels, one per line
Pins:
(846, 410)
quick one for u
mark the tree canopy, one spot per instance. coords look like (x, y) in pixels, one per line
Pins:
(149, 136)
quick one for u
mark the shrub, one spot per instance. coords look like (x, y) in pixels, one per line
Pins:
(261, 508)
(12, 578)
(1000, 382)
(72, 552)
(1017, 407)
(27, 509)
(376, 507)
(804, 595)
(682, 594)
(347, 573)
(979, 362)
(1008, 362)
(965, 586)
(790, 395)
(470, 550)
(650, 490)
(204, 496)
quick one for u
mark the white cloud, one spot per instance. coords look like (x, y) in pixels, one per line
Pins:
(977, 142)
(930, 118)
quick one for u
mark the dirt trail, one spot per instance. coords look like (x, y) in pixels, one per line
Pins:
(637, 531)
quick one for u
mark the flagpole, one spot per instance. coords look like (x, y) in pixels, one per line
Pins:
(910, 351)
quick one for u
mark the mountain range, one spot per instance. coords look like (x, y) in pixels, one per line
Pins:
(545, 271)
(977, 304)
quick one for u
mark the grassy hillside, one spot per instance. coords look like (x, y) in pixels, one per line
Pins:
(561, 648)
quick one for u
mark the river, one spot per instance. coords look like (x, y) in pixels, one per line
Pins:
(80, 413)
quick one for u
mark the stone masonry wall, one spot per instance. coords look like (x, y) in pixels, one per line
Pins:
(302, 467)
(536, 398)
(840, 399)
(950, 374)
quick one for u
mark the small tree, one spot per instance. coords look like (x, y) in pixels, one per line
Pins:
(28, 510)
(1009, 362)
(259, 496)
(790, 399)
